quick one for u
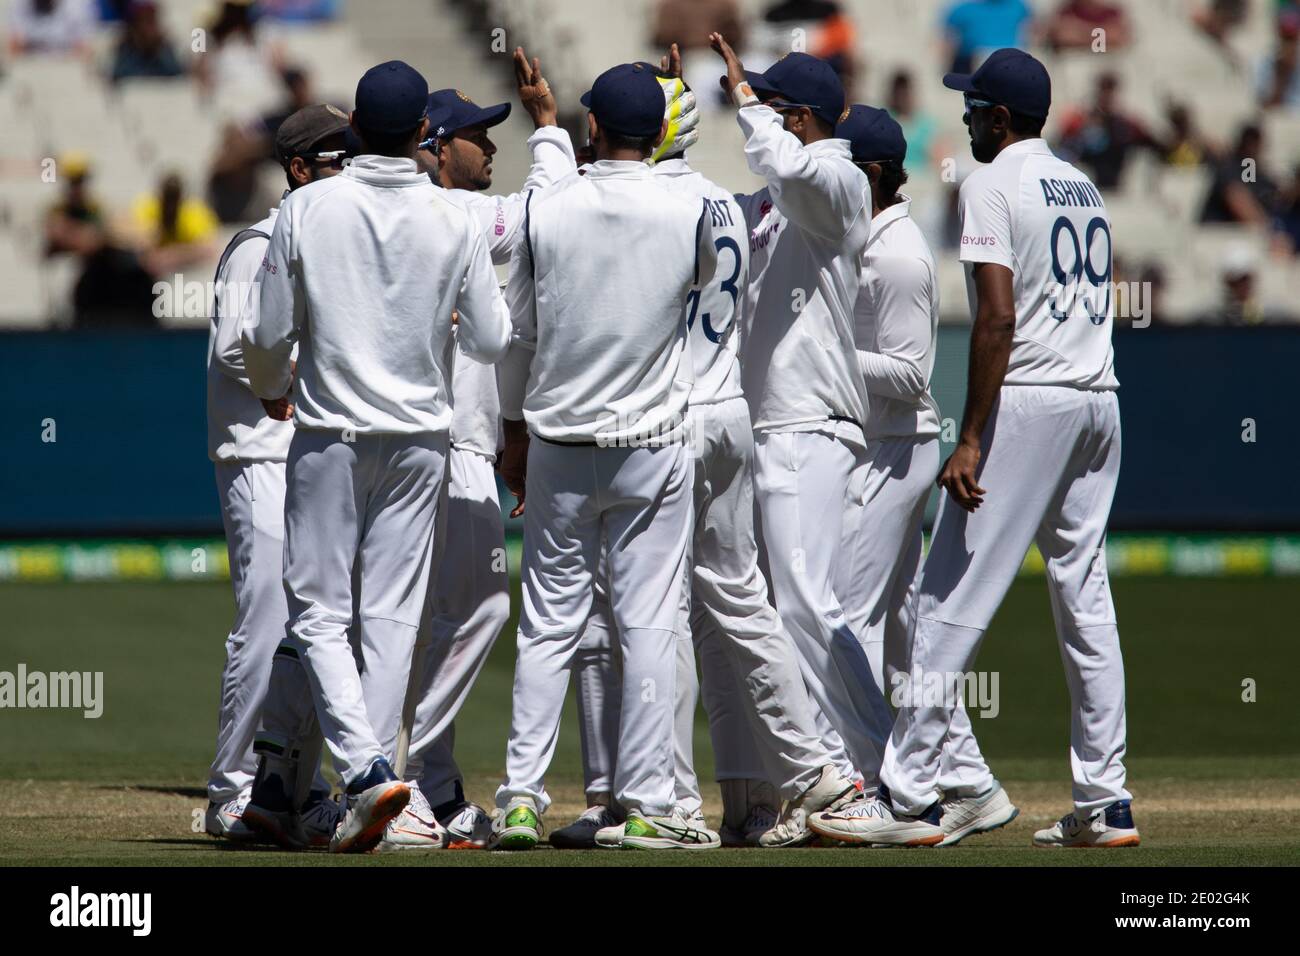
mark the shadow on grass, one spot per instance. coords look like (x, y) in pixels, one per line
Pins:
(190, 793)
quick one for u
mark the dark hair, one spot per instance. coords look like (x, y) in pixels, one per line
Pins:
(893, 176)
(1023, 125)
(388, 144)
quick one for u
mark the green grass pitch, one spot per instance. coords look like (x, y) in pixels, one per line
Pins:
(1214, 776)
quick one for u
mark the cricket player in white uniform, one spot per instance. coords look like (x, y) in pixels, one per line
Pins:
(808, 230)
(364, 271)
(898, 316)
(469, 596)
(248, 447)
(600, 371)
(1041, 433)
(760, 719)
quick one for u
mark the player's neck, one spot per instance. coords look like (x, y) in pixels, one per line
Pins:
(1014, 139)
(877, 208)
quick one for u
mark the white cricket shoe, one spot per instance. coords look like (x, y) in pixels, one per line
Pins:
(318, 821)
(610, 837)
(581, 833)
(966, 816)
(1109, 827)
(790, 830)
(226, 820)
(830, 792)
(676, 831)
(415, 828)
(874, 822)
(373, 800)
(468, 827)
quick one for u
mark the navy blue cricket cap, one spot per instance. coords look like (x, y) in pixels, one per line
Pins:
(627, 99)
(391, 98)
(1010, 78)
(801, 79)
(449, 110)
(874, 136)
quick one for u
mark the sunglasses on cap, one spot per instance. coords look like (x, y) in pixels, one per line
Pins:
(334, 158)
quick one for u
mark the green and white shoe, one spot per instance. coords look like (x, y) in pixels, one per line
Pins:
(517, 827)
(674, 832)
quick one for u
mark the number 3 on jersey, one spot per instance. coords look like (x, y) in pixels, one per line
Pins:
(728, 286)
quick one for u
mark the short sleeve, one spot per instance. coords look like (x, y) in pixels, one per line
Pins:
(985, 223)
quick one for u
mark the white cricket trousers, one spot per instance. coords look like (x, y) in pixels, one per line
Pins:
(760, 719)
(368, 504)
(469, 603)
(882, 545)
(636, 504)
(1049, 463)
(803, 486)
(252, 512)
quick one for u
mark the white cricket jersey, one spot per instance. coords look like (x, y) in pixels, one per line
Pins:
(807, 230)
(238, 427)
(476, 407)
(1045, 221)
(897, 315)
(598, 294)
(713, 314)
(364, 270)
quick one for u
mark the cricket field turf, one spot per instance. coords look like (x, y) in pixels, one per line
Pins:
(1215, 776)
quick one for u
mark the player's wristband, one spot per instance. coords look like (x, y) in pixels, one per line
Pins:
(743, 95)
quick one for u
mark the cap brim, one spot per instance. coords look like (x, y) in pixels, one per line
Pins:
(759, 83)
(585, 99)
(491, 115)
(961, 82)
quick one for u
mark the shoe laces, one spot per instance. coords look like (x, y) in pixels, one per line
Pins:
(468, 816)
(418, 806)
(597, 815)
(236, 805)
(864, 809)
(323, 811)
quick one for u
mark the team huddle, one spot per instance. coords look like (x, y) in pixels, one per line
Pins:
(714, 412)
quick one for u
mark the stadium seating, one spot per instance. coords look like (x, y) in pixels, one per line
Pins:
(137, 133)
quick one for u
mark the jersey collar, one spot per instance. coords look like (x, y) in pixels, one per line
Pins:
(672, 167)
(899, 210)
(1025, 147)
(618, 169)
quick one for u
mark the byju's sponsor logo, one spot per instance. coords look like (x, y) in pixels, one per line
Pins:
(74, 908)
(77, 690)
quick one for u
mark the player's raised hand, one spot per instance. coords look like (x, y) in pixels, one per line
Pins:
(735, 69)
(958, 477)
(534, 92)
(671, 62)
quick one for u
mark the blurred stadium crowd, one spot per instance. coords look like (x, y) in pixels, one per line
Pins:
(138, 132)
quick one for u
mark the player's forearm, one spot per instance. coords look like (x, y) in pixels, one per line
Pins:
(807, 191)
(512, 379)
(990, 350)
(553, 158)
(890, 376)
